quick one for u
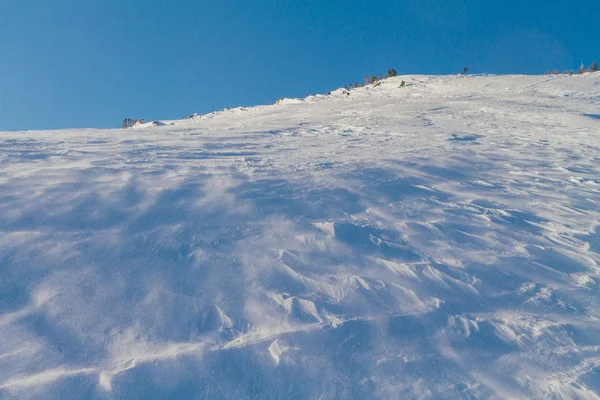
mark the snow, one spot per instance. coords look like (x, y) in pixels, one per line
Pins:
(435, 241)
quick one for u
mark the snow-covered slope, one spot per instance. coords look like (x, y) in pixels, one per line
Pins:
(436, 241)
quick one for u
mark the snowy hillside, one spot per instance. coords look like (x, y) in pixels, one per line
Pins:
(439, 241)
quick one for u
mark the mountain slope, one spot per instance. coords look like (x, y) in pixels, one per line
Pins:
(436, 241)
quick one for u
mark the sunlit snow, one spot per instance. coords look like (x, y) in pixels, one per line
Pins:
(435, 241)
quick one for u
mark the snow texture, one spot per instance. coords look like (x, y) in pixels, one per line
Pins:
(436, 241)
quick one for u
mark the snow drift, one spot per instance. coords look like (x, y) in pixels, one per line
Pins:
(436, 241)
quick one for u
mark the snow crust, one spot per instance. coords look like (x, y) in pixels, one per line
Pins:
(436, 241)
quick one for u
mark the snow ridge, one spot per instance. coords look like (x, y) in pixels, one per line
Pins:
(435, 241)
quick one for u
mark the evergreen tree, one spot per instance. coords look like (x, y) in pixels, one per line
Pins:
(594, 66)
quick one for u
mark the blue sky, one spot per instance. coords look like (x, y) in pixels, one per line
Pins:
(91, 63)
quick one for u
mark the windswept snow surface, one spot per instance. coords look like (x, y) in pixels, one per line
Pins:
(436, 241)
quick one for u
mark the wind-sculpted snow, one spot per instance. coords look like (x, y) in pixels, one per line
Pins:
(436, 241)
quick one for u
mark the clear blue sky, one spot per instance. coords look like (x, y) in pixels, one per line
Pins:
(91, 63)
